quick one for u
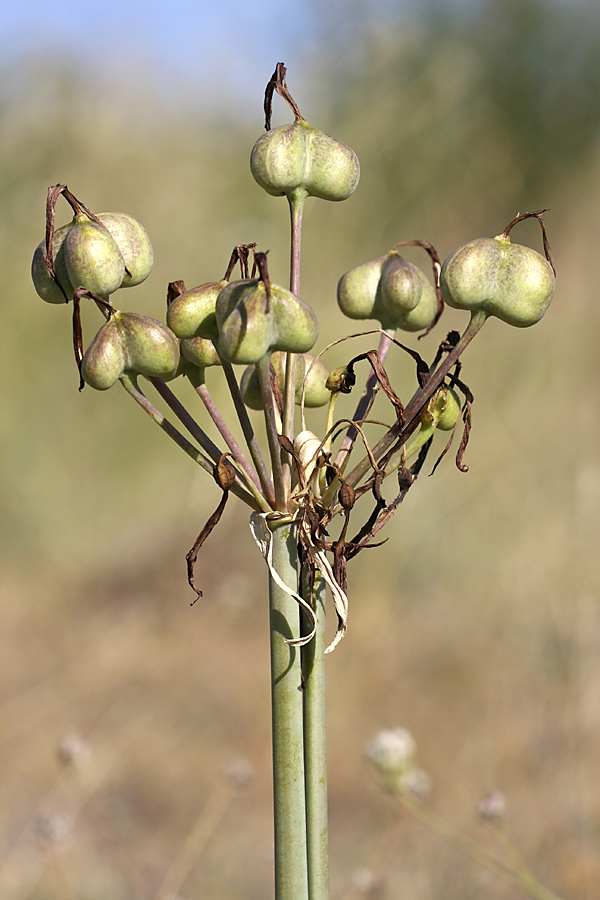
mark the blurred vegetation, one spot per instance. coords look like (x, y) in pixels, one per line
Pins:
(478, 630)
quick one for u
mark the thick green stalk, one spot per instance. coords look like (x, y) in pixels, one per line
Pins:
(291, 877)
(315, 744)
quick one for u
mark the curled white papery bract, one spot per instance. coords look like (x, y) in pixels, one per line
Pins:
(263, 536)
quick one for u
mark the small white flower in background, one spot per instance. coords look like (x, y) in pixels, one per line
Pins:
(239, 773)
(52, 830)
(73, 751)
(391, 753)
(493, 807)
(418, 783)
(366, 882)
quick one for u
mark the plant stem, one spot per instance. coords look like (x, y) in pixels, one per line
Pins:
(315, 743)
(296, 202)
(527, 882)
(291, 876)
(236, 450)
(250, 437)
(263, 370)
(186, 419)
(248, 476)
(130, 385)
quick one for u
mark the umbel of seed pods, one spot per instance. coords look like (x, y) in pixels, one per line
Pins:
(251, 321)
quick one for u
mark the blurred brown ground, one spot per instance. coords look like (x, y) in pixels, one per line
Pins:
(476, 626)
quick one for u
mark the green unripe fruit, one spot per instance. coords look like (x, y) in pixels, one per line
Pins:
(151, 348)
(132, 343)
(491, 275)
(443, 409)
(192, 315)
(250, 326)
(315, 395)
(357, 289)
(245, 327)
(133, 242)
(92, 258)
(300, 159)
(391, 290)
(45, 285)
(314, 383)
(104, 359)
(400, 289)
(424, 312)
(200, 352)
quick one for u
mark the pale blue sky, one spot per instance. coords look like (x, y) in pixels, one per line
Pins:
(195, 47)
(208, 43)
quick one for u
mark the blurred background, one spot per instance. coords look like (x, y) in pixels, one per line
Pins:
(476, 626)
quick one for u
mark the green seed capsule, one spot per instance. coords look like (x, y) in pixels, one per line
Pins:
(200, 352)
(93, 258)
(443, 409)
(391, 290)
(246, 329)
(300, 159)
(399, 291)
(357, 289)
(44, 284)
(151, 348)
(315, 395)
(491, 275)
(192, 315)
(425, 311)
(104, 360)
(250, 326)
(133, 242)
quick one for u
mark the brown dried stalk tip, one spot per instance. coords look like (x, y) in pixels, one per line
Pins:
(536, 214)
(224, 474)
(260, 260)
(277, 83)
(174, 290)
(239, 254)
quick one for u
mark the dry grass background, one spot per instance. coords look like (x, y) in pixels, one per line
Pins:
(476, 626)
